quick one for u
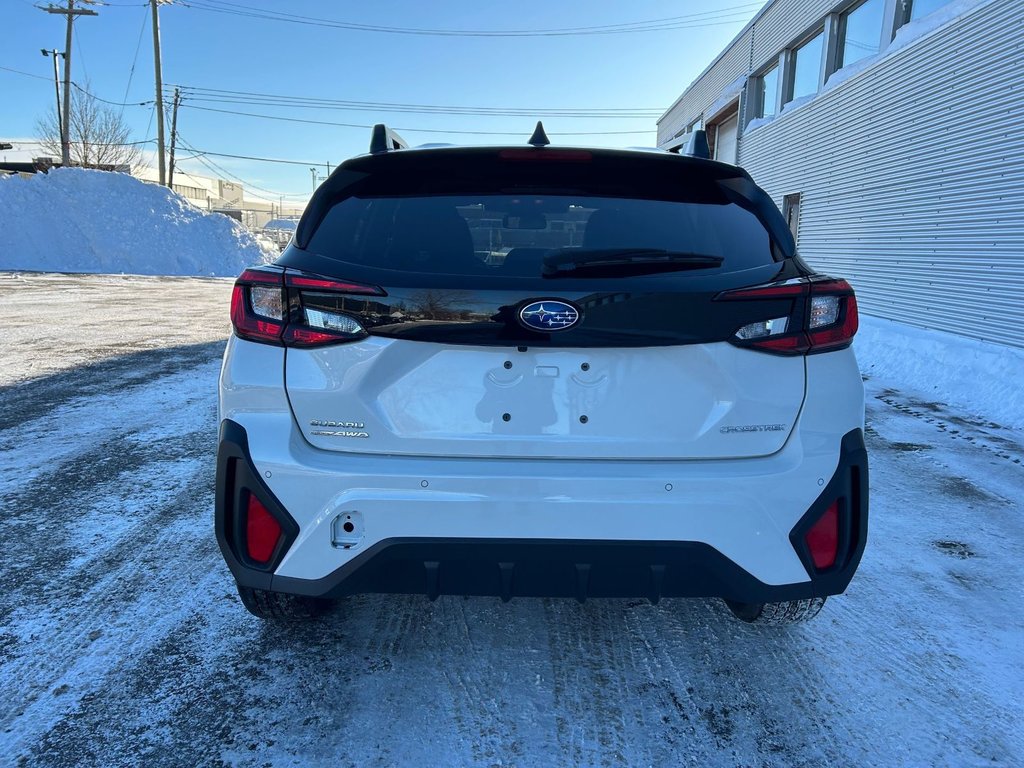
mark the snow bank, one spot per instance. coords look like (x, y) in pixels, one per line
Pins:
(980, 378)
(77, 220)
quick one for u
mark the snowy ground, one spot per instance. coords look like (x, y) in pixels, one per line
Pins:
(122, 641)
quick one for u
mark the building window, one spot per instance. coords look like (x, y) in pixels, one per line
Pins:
(807, 68)
(696, 125)
(861, 31)
(768, 92)
(791, 212)
(921, 8)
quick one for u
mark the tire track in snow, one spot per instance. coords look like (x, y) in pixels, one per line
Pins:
(918, 664)
(590, 680)
(92, 525)
(121, 374)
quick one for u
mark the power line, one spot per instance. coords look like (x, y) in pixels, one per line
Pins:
(26, 74)
(408, 129)
(717, 17)
(223, 96)
(81, 53)
(122, 104)
(135, 58)
(306, 163)
(217, 170)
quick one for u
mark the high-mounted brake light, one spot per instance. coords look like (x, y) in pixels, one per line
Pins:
(268, 305)
(822, 316)
(541, 155)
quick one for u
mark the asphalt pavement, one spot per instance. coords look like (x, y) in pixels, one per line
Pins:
(122, 641)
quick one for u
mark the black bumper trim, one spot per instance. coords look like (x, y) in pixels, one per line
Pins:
(237, 478)
(562, 568)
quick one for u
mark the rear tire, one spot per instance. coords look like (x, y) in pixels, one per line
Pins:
(277, 606)
(787, 612)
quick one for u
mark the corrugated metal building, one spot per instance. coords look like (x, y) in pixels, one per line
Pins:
(891, 133)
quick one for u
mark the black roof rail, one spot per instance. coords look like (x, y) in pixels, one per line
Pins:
(697, 146)
(383, 139)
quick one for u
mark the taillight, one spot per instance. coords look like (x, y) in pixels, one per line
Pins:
(262, 531)
(823, 538)
(268, 305)
(257, 305)
(822, 316)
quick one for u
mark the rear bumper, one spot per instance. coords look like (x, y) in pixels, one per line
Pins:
(449, 526)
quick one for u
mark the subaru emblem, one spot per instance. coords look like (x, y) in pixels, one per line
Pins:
(549, 315)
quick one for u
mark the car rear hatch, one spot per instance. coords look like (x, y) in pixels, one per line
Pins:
(537, 303)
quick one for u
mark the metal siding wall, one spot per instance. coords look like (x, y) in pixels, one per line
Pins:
(707, 88)
(780, 24)
(912, 178)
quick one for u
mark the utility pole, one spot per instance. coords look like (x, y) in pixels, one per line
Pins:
(69, 13)
(174, 136)
(56, 87)
(158, 69)
(313, 171)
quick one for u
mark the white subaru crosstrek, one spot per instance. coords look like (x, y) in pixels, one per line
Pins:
(539, 371)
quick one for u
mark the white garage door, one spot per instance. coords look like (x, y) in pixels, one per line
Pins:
(725, 143)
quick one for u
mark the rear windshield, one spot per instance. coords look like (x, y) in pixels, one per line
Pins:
(515, 235)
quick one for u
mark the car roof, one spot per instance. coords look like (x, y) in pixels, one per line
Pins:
(455, 152)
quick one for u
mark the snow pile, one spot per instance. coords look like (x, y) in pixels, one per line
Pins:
(977, 377)
(77, 220)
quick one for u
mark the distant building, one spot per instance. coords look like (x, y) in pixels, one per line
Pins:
(221, 196)
(891, 134)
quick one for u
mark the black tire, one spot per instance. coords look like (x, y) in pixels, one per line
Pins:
(277, 606)
(787, 612)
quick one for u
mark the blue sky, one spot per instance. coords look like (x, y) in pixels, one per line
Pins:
(236, 53)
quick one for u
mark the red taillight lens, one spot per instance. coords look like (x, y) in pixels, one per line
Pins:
(842, 332)
(263, 300)
(257, 306)
(823, 538)
(823, 316)
(316, 283)
(262, 531)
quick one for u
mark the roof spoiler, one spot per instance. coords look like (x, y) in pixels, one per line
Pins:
(383, 139)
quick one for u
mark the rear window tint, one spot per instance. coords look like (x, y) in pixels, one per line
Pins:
(510, 234)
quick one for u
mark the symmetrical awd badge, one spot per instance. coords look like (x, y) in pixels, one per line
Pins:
(549, 315)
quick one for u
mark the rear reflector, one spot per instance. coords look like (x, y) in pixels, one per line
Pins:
(262, 531)
(823, 538)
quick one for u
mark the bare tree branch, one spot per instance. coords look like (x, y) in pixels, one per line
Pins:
(99, 136)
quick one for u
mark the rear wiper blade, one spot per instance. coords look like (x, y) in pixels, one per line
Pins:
(645, 259)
